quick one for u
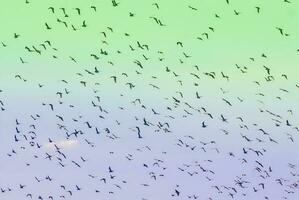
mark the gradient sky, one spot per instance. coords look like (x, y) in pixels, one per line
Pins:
(235, 43)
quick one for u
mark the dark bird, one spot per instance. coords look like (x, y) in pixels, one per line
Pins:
(156, 4)
(114, 3)
(47, 26)
(226, 101)
(280, 30)
(138, 132)
(94, 8)
(236, 12)
(22, 61)
(257, 9)
(16, 35)
(203, 125)
(84, 24)
(78, 11)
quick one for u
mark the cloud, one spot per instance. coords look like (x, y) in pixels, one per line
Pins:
(62, 144)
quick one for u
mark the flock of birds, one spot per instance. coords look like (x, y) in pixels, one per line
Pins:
(102, 113)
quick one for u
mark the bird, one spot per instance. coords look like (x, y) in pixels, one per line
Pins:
(114, 3)
(78, 10)
(84, 25)
(22, 61)
(94, 8)
(227, 102)
(280, 30)
(138, 132)
(16, 35)
(257, 9)
(47, 26)
(236, 12)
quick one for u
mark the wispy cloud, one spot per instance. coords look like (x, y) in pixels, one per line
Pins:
(62, 144)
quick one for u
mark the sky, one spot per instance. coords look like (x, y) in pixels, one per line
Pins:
(214, 94)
